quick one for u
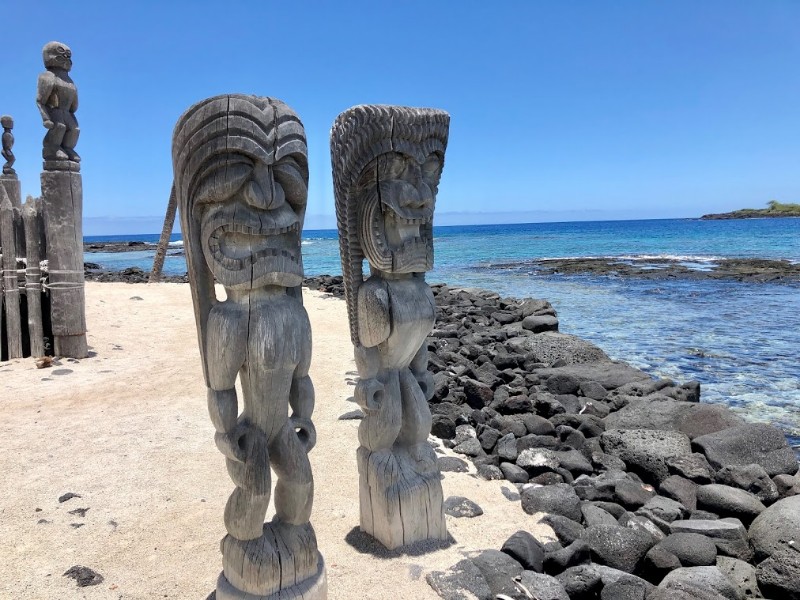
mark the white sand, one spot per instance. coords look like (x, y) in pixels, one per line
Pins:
(128, 430)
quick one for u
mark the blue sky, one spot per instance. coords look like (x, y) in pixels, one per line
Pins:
(560, 111)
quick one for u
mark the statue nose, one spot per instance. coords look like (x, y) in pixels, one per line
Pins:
(263, 192)
(420, 198)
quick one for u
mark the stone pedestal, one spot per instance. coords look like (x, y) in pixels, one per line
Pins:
(62, 200)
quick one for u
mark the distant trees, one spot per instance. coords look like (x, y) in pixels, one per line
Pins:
(778, 207)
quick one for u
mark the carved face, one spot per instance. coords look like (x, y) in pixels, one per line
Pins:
(250, 217)
(57, 55)
(397, 214)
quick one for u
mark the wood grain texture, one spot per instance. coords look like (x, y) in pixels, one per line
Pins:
(8, 238)
(62, 207)
(163, 242)
(57, 100)
(387, 161)
(32, 219)
(241, 176)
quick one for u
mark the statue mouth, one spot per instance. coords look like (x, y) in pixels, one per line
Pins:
(404, 231)
(236, 246)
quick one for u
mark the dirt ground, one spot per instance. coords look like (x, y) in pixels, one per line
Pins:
(128, 431)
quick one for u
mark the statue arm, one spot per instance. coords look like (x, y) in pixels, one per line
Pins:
(44, 88)
(419, 367)
(301, 400)
(224, 357)
(301, 397)
(374, 317)
(374, 327)
(73, 109)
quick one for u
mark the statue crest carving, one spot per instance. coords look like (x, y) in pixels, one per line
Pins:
(387, 161)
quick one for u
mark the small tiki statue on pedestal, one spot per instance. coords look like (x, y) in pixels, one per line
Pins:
(57, 99)
(62, 201)
(241, 177)
(387, 161)
(8, 144)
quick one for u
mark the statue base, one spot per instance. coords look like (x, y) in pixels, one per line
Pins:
(313, 588)
(282, 564)
(61, 164)
(400, 497)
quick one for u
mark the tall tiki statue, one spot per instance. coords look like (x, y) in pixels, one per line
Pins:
(241, 175)
(387, 161)
(62, 201)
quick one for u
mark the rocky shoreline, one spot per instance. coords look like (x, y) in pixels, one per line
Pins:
(750, 213)
(651, 494)
(755, 270)
(133, 246)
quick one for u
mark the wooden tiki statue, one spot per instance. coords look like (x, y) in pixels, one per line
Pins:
(387, 161)
(241, 176)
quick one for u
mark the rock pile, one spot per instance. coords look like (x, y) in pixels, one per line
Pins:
(650, 493)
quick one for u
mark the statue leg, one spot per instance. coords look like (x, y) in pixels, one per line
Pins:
(380, 427)
(71, 137)
(52, 143)
(290, 533)
(416, 419)
(294, 490)
(247, 505)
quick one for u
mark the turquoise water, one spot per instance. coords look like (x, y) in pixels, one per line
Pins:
(740, 340)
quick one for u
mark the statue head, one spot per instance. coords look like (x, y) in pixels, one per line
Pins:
(387, 162)
(241, 182)
(57, 55)
(6, 122)
(241, 176)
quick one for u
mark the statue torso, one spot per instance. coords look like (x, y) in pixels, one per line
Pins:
(412, 313)
(265, 344)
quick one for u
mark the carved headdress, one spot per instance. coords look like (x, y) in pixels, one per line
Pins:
(358, 136)
(238, 131)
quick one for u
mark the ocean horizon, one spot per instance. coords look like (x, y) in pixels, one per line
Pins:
(738, 338)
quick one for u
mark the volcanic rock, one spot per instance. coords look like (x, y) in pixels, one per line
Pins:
(526, 550)
(708, 578)
(776, 528)
(756, 443)
(464, 581)
(558, 499)
(729, 502)
(618, 547)
(646, 451)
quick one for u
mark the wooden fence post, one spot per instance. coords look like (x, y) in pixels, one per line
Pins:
(31, 215)
(10, 285)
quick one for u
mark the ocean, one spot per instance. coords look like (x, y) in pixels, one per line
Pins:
(739, 339)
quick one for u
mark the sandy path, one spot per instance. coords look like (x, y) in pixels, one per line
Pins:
(127, 429)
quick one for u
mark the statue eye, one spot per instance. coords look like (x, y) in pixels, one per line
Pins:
(395, 166)
(432, 169)
(288, 174)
